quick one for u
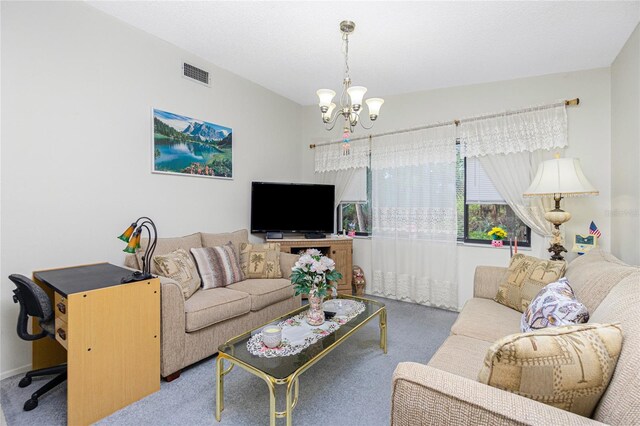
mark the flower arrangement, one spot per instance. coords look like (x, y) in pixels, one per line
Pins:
(497, 233)
(312, 273)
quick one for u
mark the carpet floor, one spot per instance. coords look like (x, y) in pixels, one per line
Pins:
(350, 386)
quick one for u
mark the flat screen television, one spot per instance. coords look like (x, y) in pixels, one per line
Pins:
(291, 207)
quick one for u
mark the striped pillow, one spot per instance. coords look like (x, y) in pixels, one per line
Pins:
(218, 266)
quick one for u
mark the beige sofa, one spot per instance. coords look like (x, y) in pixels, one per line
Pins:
(193, 329)
(446, 390)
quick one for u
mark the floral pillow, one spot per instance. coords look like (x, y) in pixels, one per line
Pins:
(555, 305)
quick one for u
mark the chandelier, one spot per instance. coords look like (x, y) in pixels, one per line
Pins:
(350, 98)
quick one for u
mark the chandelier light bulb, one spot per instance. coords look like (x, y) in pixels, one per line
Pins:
(326, 116)
(356, 93)
(325, 96)
(374, 105)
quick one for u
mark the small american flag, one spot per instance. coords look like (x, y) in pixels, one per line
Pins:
(593, 230)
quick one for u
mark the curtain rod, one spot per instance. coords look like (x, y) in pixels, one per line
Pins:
(568, 102)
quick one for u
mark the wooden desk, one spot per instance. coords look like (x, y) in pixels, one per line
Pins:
(108, 333)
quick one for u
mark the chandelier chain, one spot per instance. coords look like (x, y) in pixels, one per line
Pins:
(346, 55)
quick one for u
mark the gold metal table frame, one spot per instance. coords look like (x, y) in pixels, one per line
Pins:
(291, 381)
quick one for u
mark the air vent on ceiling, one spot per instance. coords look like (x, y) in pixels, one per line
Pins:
(195, 73)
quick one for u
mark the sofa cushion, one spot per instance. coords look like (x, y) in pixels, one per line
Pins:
(487, 320)
(236, 237)
(620, 404)
(207, 307)
(566, 367)
(167, 245)
(264, 292)
(527, 275)
(218, 266)
(594, 274)
(260, 260)
(461, 355)
(179, 266)
(556, 305)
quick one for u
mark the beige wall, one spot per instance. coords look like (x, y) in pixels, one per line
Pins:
(77, 91)
(625, 151)
(589, 140)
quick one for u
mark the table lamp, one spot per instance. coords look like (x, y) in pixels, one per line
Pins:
(131, 235)
(559, 178)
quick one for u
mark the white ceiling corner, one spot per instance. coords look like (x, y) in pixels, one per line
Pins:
(293, 47)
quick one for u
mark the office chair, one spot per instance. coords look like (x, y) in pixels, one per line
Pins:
(34, 302)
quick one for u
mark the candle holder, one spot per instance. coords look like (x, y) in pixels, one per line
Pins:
(272, 336)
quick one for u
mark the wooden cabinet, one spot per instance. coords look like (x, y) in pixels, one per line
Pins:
(338, 249)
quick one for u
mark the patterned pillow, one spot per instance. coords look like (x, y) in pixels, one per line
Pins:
(567, 367)
(178, 265)
(527, 275)
(218, 266)
(260, 260)
(554, 306)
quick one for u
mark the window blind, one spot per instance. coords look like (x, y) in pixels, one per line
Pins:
(356, 191)
(480, 189)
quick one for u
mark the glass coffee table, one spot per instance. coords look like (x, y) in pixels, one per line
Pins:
(286, 370)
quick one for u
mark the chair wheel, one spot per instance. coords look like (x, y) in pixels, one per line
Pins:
(30, 404)
(26, 381)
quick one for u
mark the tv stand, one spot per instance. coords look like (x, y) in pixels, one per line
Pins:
(340, 249)
(315, 235)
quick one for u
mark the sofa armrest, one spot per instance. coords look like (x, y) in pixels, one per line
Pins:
(131, 262)
(287, 260)
(487, 279)
(172, 335)
(424, 395)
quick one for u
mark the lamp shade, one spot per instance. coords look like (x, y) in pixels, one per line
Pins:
(327, 115)
(325, 97)
(374, 105)
(560, 176)
(127, 233)
(356, 93)
(134, 243)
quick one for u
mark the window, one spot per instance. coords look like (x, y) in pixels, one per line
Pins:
(480, 206)
(355, 209)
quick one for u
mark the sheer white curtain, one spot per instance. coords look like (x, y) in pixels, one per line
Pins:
(341, 179)
(510, 147)
(512, 174)
(414, 254)
(331, 157)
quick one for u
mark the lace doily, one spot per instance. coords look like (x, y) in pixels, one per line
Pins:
(298, 335)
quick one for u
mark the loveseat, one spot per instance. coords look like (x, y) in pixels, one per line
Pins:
(446, 390)
(192, 329)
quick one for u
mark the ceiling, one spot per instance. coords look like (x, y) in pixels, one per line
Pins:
(294, 48)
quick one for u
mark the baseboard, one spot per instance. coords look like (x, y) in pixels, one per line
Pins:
(15, 371)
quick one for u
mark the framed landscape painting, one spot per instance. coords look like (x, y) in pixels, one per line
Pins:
(188, 146)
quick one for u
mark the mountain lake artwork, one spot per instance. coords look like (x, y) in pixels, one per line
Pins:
(187, 146)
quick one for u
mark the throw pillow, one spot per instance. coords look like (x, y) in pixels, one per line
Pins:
(218, 266)
(179, 266)
(567, 367)
(526, 277)
(554, 306)
(260, 260)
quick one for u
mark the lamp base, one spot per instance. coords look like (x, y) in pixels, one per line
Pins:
(557, 250)
(137, 276)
